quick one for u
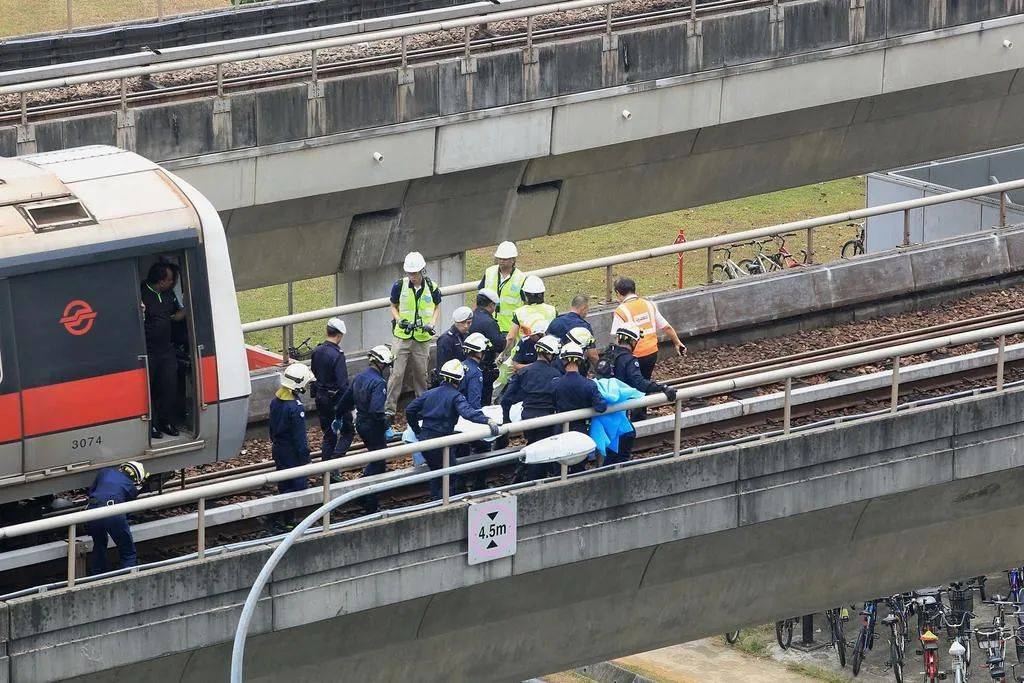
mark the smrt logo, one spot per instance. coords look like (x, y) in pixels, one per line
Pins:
(78, 317)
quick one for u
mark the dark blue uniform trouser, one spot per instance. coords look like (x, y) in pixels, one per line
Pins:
(435, 461)
(116, 527)
(325, 413)
(533, 472)
(625, 450)
(374, 436)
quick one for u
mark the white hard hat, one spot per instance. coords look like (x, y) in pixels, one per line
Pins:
(581, 336)
(629, 331)
(414, 262)
(490, 294)
(382, 354)
(476, 342)
(296, 376)
(506, 250)
(462, 314)
(453, 370)
(539, 327)
(571, 350)
(548, 344)
(135, 470)
(533, 285)
(337, 324)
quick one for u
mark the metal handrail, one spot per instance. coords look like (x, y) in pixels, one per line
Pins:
(466, 23)
(774, 376)
(708, 243)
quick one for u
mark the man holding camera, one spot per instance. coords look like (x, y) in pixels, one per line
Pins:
(415, 311)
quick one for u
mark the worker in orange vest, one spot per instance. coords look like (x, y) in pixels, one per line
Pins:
(645, 315)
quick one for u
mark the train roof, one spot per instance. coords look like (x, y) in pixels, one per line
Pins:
(86, 201)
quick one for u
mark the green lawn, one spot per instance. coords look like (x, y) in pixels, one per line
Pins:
(655, 275)
(18, 17)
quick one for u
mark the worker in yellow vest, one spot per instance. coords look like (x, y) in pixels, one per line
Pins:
(646, 316)
(525, 321)
(415, 310)
(507, 280)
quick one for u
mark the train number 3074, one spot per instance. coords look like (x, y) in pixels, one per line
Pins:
(86, 442)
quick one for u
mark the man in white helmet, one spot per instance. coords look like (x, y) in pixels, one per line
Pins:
(475, 346)
(435, 413)
(114, 485)
(506, 280)
(485, 324)
(573, 391)
(330, 368)
(531, 312)
(449, 344)
(367, 395)
(415, 311)
(532, 386)
(289, 445)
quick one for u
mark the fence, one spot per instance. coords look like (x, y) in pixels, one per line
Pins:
(323, 469)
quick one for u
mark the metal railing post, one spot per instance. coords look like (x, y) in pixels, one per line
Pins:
(608, 284)
(201, 528)
(1001, 363)
(529, 33)
(906, 227)
(608, 18)
(469, 38)
(124, 94)
(1002, 209)
(711, 263)
(71, 23)
(72, 552)
(810, 245)
(313, 57)
(289, 329)
(160, 10)
(693, 10)
(405, 63)
(787, 406)
(220, 80)
(895, 398)
(677, 427)
(326, 520)
(24, 108)
(446, 479)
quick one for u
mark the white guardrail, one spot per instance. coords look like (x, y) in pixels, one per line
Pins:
(786, 375)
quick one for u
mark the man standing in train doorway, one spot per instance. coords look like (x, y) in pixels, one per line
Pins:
(161, 310)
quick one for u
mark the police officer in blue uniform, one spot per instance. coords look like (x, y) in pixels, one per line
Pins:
(449, 344)
(575, 317)
(331, 370)
(472, 387)
(113, 485)
(532, 386)
(619, 362)
(573, 391)
(485, 324)
(433, 414)
(367, 395)
(290, 447)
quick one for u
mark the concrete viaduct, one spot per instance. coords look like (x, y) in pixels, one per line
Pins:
(517, 143)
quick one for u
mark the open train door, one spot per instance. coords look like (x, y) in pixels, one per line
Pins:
(11, 466)
(81, 357)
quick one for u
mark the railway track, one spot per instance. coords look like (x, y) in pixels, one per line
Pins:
(782, 362)
(146, 93)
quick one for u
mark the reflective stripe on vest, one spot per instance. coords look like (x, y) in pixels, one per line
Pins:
(415, 309)
(509, 291)
(531, 314)
(644, 315)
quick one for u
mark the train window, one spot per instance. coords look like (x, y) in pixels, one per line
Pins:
(56, 214)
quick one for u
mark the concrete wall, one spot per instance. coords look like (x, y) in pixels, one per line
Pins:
(607, 564)
(733, 105)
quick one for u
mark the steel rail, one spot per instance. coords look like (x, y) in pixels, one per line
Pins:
(712, 388)
(708, 243)
(334, 42)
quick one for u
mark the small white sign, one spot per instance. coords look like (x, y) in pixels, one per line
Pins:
(492, 529)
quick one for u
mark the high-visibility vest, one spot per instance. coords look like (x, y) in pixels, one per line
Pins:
(415, 309)
(510, 295)
(644, 315)
(529, 315)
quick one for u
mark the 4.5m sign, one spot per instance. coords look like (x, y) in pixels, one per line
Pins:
(492, 529)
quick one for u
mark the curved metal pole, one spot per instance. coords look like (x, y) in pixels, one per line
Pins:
(242, 630)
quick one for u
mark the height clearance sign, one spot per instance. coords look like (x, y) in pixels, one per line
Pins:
(492, 529)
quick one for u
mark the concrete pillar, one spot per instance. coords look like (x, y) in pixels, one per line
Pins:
(937, 13)
(858, 21)
(126, 130)
(778, 22)
(694, 45)
(316, 112)
(610, 60)
(222, 127)
(374, 327)
(26, 141)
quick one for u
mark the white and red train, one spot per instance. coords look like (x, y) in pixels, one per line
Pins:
(79, 230)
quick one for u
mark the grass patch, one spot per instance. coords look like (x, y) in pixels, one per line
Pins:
(652, 276)
(756, 642)
(18, 17)
(817, 672)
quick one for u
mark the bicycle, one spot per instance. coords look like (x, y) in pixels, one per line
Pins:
(897, 643)
(855, 246)
(992, 639)
(732, 636)
(866, 637)
(835, 618)
(781, 260)
(301, 351)
(961, 606)
(784, 631)
(728, 269)
(960, 648)
(928, 606)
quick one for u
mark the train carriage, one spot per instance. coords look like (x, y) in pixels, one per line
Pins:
(79, 230)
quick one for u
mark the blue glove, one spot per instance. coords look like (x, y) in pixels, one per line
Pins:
(389, 434)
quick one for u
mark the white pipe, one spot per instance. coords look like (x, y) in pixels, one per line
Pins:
(720, 387)
(643, 254)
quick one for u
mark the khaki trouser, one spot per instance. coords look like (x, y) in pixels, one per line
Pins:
(411, 357)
